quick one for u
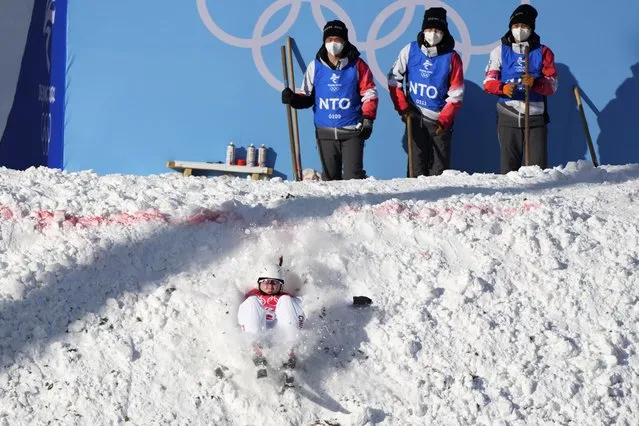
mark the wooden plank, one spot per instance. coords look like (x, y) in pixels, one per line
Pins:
(188, 172)
(218, 167)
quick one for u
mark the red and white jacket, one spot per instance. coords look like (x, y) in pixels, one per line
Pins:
(455, 92)
(546, 86)
(367, 88)
(268, 301)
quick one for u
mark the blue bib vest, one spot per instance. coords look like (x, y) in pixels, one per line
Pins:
(513, 66)
(428, 78)
(337, 99)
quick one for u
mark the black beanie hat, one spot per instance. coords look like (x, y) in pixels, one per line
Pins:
(435, 17)
(335, 29)
(524, 14)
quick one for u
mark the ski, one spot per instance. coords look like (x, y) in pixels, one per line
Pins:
(260, 365)
(259, 360)
(288, 368)
(285, 373)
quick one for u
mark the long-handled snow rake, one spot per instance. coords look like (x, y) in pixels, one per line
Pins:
(409, 137)
(291, 113)
(527, 110)
(591, 148)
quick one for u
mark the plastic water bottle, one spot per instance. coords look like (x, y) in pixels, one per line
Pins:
(250, 155)
(261, 156)
(230, 153)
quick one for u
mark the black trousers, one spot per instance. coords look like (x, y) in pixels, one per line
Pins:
(347, 153)
(431, 152)
(511, 145)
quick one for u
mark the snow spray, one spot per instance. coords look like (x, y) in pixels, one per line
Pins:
(250, 156)
(261, 156)
(230, 153)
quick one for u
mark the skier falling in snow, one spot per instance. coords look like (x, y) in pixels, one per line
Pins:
(267, 310)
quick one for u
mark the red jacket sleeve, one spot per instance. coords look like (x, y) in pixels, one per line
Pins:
(492, 80)
(398, 97)
(547, 84)
(455, 92)
(367, 90)
(493, 87)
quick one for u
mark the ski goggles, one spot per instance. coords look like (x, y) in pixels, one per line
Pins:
(270, 281)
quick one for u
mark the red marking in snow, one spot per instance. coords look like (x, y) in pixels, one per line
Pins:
(479, 209)
(212, 216)
(46, 218)
(5, 212)
(398, 208)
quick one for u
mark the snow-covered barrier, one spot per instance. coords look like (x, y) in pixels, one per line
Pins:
(497, 300)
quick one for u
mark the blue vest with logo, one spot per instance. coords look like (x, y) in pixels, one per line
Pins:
(513, 66)
(428, 78)
(337, 99)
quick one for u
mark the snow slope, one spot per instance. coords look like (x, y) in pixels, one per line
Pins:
(497, 299)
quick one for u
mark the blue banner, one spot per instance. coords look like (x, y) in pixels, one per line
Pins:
(33, 135)
(159, 80)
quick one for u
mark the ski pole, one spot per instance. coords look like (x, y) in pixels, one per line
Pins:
(591, 148)
(289, 114)
(296, 131)
(527, 109)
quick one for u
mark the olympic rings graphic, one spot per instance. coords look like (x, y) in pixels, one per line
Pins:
(49, 19)
(370, 45)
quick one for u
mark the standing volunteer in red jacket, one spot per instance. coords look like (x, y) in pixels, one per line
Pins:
(434, 74)
(339, 86)
(506, 78)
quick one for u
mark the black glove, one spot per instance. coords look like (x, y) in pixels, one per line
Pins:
(361, 301)
(367, 128)
(287, 96)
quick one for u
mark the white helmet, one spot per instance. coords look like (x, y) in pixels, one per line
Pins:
(273, 272)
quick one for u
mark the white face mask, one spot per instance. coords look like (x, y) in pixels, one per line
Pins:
(521, 34)
(334, 48)
(433, 37)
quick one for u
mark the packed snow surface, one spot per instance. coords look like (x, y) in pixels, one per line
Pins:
(496, 299)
